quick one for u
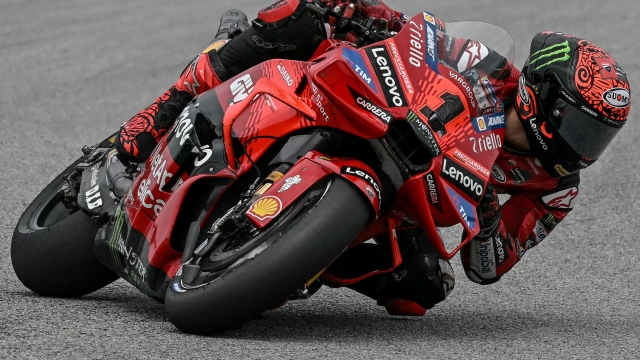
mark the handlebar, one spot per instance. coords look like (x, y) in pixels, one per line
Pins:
(369, 31)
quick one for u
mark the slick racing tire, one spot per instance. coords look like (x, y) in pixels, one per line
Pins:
(298, 248)
(52, 249)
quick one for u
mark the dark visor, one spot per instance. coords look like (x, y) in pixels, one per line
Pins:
(584, 133)
(584, 130)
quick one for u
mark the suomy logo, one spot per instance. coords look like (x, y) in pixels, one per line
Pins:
(617, 97)
(381, 61)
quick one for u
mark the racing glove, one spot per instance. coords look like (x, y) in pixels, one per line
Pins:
(367, 9)
(483, 256)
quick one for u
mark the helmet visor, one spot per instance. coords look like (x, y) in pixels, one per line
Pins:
(585, 134)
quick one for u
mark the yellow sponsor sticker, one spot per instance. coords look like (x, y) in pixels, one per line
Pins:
(265, 208)
(216, 45)
(562, 171)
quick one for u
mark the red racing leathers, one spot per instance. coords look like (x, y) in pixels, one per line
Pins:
(538, 201)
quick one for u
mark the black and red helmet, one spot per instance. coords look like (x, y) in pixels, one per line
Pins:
(573, 99)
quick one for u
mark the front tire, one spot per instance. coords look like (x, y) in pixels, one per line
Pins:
(315, 237)
(52, 249)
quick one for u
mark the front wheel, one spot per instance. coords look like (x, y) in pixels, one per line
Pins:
(52, 249)
(302, 241)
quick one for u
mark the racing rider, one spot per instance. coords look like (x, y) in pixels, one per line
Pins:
(562, 111)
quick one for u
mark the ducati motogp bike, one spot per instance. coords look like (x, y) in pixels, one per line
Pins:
(264, 181)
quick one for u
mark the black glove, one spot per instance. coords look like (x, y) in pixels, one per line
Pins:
(489, 212)
(423, 276)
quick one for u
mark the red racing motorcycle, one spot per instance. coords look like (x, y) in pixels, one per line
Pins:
(265, 180)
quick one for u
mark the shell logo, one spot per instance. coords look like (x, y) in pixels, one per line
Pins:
(265, 208)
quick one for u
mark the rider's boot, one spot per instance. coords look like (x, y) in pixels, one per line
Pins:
(421, 281)
(140, 135)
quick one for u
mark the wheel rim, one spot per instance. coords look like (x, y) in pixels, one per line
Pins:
(220, 263)
(49, 212)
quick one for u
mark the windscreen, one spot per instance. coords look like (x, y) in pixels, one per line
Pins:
(492, 36)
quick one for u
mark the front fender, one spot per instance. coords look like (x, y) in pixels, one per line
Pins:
(311, 168)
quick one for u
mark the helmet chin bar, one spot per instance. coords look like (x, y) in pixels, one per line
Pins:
(547, 151)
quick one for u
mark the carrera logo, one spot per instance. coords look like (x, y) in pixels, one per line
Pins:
(562, 199)
(617, 97)
(463, 179)
(370, 107)
(434, 194)
(350, 170)
(381, 61)
(589, 111)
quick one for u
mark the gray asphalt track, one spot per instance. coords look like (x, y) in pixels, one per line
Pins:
(71, 71)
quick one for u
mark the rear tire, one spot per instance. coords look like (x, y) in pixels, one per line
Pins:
(52, 249)
(298, 252)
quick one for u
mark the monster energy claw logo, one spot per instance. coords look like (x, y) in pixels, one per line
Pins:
(551, 55)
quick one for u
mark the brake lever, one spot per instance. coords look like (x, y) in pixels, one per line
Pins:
(365, 29)
(325, 13)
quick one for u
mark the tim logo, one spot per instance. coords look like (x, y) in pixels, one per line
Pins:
(562, 199)
(241, 88)
(356, 61)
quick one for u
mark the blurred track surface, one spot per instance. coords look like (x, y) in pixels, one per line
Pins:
(72, 71)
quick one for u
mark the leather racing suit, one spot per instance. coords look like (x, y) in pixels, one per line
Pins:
(538, 201)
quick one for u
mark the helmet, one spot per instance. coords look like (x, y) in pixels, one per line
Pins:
(572, 99)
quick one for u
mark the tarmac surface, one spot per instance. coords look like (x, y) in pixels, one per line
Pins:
(72, 71)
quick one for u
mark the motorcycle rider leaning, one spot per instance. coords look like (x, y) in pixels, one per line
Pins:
(562, 111)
